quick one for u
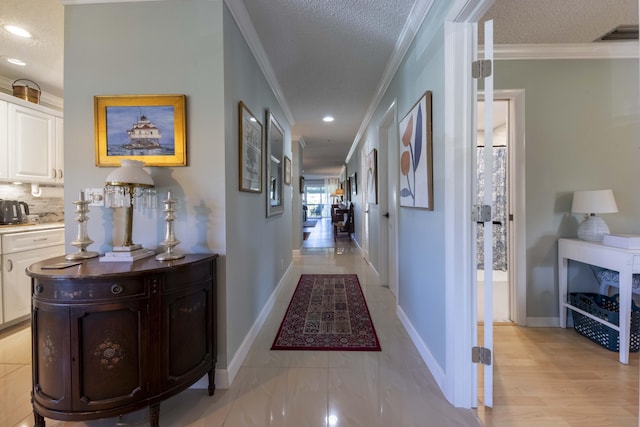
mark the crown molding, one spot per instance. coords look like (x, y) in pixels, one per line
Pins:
(599, 50)
(46, 99)
(241, 16)
(417, 15)
(75, 2)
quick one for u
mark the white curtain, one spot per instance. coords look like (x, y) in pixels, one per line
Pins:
(331, 185)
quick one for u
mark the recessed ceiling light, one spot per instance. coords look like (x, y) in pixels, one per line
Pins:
(327, 119)
(18, 31)
(16, 61)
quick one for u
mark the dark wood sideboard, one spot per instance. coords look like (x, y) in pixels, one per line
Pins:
(109, 338)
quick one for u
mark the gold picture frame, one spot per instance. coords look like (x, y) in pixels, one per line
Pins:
(148, 128)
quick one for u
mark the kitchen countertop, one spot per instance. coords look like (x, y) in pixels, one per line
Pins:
(19, 228)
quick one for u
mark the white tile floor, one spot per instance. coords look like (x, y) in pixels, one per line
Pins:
(391, 388)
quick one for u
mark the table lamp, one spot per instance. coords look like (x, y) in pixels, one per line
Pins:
(340, 193)
(590, 203)
(124, 185)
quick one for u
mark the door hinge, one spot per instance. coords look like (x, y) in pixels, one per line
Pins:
(481, 213)
(481, 68)
(481, 355)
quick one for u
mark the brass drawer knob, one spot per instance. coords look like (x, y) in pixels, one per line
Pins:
(116, 289)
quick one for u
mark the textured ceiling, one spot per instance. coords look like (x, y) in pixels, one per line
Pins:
(328, 56)
(43, 53)
(558, 21)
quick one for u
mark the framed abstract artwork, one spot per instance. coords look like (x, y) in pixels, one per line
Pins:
(416, 156)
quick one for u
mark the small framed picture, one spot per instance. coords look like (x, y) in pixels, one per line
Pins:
(287, 170)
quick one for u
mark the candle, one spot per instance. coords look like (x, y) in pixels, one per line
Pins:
(168, 195)
(82, 195)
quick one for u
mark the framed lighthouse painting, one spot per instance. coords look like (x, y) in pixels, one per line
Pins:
(149, 128)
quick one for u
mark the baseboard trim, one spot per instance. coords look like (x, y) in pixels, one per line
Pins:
(433, 366)
(224, 377)
(543, 322)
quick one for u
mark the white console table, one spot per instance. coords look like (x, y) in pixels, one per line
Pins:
(625, 261)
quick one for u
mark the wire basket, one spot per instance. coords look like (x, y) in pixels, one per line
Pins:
(606, 308)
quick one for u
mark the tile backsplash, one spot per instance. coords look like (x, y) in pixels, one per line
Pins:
(48, 208)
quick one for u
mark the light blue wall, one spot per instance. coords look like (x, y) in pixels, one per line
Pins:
(179, 48)
(259, 249)
(421, 239)
(582, 126)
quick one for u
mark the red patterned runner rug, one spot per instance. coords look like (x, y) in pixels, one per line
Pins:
(327, 312)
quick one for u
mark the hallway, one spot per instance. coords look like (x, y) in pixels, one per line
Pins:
(285, 388)
(547, 377)
(321, 236)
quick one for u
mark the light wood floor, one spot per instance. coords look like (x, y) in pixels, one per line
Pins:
(553, 377)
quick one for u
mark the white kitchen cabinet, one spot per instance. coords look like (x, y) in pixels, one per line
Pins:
(32, 145)
(20, 250)
(59, 174)
(4, 145)
(31, 142)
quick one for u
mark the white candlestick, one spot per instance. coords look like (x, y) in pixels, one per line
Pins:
(82, 195)
(168, 195)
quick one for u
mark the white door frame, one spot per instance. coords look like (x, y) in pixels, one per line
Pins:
(388, 192)
(517, 203)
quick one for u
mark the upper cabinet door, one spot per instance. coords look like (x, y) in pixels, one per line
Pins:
(32, 145)
(4, 149)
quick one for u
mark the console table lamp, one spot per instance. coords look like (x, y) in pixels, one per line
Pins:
(125, 184)
(590, 203)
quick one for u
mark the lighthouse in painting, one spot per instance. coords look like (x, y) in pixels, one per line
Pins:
(144, 135)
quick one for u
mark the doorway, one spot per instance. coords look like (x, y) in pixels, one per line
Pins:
(510, 105)
(501, 211)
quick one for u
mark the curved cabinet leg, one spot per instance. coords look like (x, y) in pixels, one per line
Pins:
(38, 420)
(212, 383)
(154, 415)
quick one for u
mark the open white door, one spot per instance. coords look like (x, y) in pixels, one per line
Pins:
(485, 216)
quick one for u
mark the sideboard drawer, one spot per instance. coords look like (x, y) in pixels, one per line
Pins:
(83, 292)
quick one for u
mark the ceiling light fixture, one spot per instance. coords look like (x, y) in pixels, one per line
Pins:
(18, 31)
(327, 119)
(16, 61)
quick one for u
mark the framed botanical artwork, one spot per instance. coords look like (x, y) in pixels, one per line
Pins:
(372, 177)
(416, 156)
(287, 170)
(148, 128)
(250, 146)
(353, 181)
